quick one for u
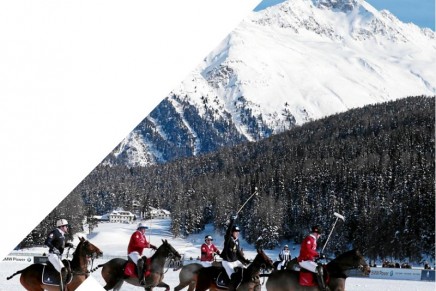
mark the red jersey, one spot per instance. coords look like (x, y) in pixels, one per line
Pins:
(207, 252)
(137, 243)
(308, 249)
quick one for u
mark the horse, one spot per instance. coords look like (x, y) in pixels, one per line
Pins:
(114, 276)
(336, 272)
(207, 277)
(188, 275)
(31, 277)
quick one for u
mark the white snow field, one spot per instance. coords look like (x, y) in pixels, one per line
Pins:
(112, 239)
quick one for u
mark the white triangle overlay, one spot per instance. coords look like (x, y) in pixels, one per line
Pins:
(77, 77)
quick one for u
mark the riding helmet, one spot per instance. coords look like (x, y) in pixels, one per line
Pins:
(235, 228)
(141, 225)
(61, 222)
(316, 229)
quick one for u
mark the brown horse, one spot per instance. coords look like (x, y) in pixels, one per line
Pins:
(250, 278)
(188, 275)
(113, 270)
(288, 280)
(31, 277)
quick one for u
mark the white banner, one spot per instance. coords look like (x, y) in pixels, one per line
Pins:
(395, 273)
(19, 259)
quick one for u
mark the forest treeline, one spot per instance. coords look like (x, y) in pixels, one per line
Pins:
(374, 165)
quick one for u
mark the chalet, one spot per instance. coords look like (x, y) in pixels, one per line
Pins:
(121, 216)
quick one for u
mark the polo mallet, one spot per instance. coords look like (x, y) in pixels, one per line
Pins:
(338, 216)
(255, 193)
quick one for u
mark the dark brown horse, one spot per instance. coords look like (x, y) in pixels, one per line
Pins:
(250, 279)
(337, 269)
(31, 277)
(113, 270)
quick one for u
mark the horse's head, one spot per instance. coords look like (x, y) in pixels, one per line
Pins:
(351, 260)
(168, 251)
(88, 249)
(263, 260)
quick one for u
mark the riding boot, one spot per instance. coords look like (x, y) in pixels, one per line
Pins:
(140, 268)
(320, 278)
(235, 279)
(64, 274)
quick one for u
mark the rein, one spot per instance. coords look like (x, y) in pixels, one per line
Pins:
(80, 272)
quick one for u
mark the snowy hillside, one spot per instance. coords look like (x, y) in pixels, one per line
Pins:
(288, 64)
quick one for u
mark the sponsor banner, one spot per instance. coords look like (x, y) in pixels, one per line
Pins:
(395, 273)
(19, 259)
(428, 275)
(40, 259)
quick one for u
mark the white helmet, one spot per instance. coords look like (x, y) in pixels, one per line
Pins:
(141, 225)
(61, 222)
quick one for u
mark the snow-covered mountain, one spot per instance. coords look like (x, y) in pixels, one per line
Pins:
(283, 66)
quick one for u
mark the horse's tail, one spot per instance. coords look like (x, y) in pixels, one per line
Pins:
(14, 274)
(99, 266)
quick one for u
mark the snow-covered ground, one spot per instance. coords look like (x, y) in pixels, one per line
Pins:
(112, 239)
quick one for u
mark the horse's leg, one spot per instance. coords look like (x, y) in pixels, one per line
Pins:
(203, 284)
(337, 284)
(31, 279)
(182, 285)
(192, 286)
(118, 285)
(163, 285)
(113, 284)
(112, 276)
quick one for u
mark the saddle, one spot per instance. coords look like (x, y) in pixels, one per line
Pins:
(308, 278)
(50, 276)
(293, 265)
(130, 269)
(223, 281)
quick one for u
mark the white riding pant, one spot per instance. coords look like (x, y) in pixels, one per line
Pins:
(230, 266)
(56, 261)
(135, 256)
(206, 264)
(281, 264)
(309, 265)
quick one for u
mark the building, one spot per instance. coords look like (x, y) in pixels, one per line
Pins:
(159, 213)
(121, 216)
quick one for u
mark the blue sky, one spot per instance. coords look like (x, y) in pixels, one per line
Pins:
(420, 12)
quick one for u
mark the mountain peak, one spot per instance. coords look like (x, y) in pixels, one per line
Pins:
(294, 62)
(342, 5)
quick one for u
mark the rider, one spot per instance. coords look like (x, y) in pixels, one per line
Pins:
(232, 254)
(208, 250)
(56, 242)
(138, 242)
(284, 257)
(308, 254)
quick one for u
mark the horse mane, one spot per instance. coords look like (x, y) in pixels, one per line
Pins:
(79, 246)
(75, 261)
(341, 263)
(352, 253)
